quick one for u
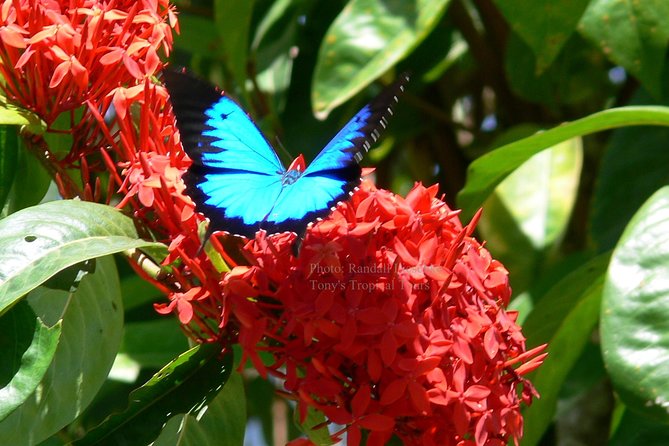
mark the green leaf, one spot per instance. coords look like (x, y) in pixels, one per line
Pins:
(27, 347)
(185, 385)
(364, 41)
(564, 318)
(315, 427)
(9, 159)
(633, 34)
(153, 344)
(31, 182)
(633, 167)
(543, 212)
(486, 172)
(40, 241)
(634, 429)
(578, 77)
(92, 321)
(520, 222)
(635, 311)
(233, 20)
(12, 115)
(273, 47)
(545, 26)
(223, 417)
(198, 35)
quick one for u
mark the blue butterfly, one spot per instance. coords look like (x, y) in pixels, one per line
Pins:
(237, 180)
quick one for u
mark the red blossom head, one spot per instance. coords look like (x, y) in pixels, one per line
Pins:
(56, 55)
(78, 64)
(391, 320)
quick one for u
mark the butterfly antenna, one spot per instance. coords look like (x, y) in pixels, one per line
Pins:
(282, 148)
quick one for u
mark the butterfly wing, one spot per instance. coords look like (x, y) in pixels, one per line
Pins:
(335, 172)
(235, 178)
(355, 139)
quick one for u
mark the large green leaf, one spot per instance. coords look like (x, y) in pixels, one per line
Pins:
(185, 385)
(545, 26)
(634, 429)
(31, 182)
(274, 49)
(27, 347)
(486, 172)
(633, 167)
(521, 222)
(564, 318)
(92, 320)
(633, 34)
(233, 20)
(635, 310)
(366, 39)
(223, 417)
(12, 115)
(40, 241)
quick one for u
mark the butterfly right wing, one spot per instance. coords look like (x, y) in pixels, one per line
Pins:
(354, 140)
(235, 177)
(335, 172)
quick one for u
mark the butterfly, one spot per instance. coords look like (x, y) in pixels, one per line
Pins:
(236, 179)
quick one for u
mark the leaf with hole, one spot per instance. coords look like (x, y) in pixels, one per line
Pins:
(35, 248)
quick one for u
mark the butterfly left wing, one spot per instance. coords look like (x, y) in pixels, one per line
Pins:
(215, 130)
(235, 178)
(335, 172)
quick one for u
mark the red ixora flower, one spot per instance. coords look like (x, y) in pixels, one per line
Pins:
(391, 321)
(56, 55)
(78, 64)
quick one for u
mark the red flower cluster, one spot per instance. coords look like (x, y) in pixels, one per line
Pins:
(56, 55)
(76, 62)
(391, 320)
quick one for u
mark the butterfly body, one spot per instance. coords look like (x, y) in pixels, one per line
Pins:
(237, 180)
